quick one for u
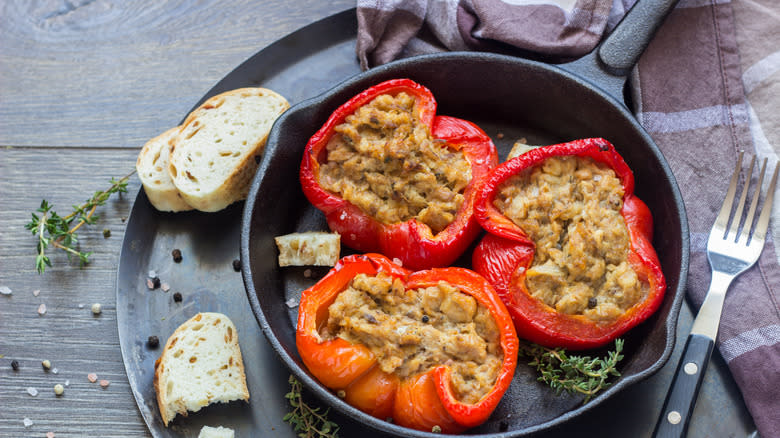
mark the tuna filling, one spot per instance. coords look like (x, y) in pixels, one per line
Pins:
(570, 207)
(411, 331)
(384, 161)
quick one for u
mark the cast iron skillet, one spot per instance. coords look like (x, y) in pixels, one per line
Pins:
(514, 97)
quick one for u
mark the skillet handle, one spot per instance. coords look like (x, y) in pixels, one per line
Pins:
(610, 63)
(623, 47)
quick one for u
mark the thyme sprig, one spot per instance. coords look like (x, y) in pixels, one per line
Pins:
(572, 373)
(60, 231)
(307, 422)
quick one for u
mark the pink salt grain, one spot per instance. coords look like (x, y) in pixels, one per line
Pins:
(104, 383)
(92, 377)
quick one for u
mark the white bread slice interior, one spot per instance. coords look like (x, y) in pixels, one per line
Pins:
(216, 432)
(200, 365)
(309, 248)
(152, 168)
(216, 153)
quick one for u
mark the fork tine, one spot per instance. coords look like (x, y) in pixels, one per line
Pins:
(737, 217)
(743, 237)
(766, 210)
(722, 221)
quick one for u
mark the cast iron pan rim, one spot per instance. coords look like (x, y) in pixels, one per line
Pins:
(314, 386)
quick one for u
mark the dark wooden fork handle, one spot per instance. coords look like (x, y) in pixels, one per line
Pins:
(678, 407)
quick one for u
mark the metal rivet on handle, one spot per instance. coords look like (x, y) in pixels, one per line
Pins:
(674, 417)
(691, 368)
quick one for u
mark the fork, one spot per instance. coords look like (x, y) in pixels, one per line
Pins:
(730, 252)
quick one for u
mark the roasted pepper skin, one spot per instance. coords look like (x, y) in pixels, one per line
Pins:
(421, 401)
(412, 242)
(506, 252)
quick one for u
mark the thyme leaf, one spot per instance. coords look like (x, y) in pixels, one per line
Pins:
(572, 373)
(308, 422)
(59, 232)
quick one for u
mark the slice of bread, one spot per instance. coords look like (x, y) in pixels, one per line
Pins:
(200, 365)
(216, 432)
(310, 248)
(152, 168)
(519, 148)
(216, 153)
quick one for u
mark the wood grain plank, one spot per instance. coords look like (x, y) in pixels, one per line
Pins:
(68, 334)
(107, 73)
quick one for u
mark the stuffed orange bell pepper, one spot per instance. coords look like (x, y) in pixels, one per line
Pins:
(393, 177)
(569, 246)
(426, 349)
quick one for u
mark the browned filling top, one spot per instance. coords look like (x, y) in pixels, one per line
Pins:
(411, 331)
(570, 207)
(384, 161)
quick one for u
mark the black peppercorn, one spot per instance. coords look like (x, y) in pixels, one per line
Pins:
(237, 265)
(106, 233)
(156, 282)
(592, 303)
(425, 318)
(153, 342)
(177, 297)
(15, 365)
(176, 253)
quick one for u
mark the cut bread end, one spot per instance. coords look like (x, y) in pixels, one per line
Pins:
(315, 248)
(201, 364)
(152, 168)
(216, 432)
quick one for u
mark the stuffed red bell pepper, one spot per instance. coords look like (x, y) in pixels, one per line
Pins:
(569, 246)
(427, 349)
(393, 177)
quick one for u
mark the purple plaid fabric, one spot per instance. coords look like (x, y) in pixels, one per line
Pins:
(705, 89)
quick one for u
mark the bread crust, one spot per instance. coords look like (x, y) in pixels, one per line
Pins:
(237, 179)
(158, 186)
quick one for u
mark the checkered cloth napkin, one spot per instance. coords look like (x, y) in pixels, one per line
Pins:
(703, 89)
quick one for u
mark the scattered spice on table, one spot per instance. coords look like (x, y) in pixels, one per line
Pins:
(36, 292)
(177, 297)
(165, 287)
(42, 309)
(92, 377)
(59, 389)
(176, 254)
(237, 265)
(55, 371)
(46, 364)
(106, 233)
(49, 434)
(15, 365)
(27, 422)
(153, 342)
(32, 391)
(153, 282)
(104, 383)
(96, 309)
(5, 290)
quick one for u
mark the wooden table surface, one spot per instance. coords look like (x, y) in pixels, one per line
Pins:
(83, 84)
